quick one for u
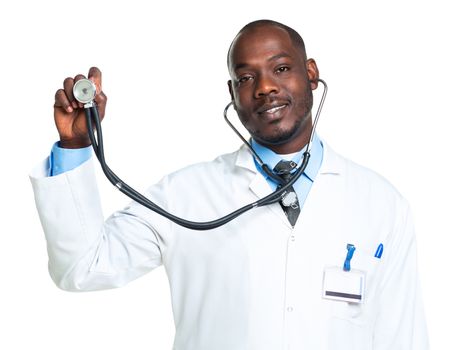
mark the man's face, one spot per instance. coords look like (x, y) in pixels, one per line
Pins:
(271, 89)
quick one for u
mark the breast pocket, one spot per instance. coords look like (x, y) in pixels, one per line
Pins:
(358, 313)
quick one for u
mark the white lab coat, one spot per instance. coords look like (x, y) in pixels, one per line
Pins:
(255, 283)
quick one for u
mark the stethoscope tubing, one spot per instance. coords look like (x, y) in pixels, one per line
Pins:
(93, 122)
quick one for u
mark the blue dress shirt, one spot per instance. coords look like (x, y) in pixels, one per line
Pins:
(303, 185)
(65, 159)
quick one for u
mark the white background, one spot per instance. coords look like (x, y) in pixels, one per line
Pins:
(390, 70)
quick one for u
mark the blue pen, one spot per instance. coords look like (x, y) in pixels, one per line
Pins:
(379, 251)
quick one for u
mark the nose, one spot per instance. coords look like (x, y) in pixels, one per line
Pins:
(265, 85)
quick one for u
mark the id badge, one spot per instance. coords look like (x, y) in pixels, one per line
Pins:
(343, 285)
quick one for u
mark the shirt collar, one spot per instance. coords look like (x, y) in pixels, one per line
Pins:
(271, 158)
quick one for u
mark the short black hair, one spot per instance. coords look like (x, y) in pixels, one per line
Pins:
(295, 37)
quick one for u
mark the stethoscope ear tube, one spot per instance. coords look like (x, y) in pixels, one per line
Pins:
(94, 124)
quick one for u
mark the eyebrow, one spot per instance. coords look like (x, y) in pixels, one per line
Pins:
(279, 55)
(272, 58)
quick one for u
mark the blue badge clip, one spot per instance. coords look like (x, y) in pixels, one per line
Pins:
(347, 261)
(379, 251)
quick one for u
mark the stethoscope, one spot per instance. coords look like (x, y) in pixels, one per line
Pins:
(84, 91)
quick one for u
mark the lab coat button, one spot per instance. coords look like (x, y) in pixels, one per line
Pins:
(292, 238)
(290, 309)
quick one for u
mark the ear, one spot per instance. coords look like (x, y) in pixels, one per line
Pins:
(230, 89)
(231, 92)
(313, 73)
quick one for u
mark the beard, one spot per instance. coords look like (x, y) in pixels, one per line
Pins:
(282, 135)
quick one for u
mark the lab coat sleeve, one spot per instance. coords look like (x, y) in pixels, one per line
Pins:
(86, 253)
(401, 321)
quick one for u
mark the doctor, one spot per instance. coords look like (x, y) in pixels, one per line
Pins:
(277, 277)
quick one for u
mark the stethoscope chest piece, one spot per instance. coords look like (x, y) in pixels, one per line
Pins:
(84, 91)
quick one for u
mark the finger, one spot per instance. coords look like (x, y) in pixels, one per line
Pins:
(76, 79)
(101, 100)
(79, 77)
(61, 101)
(94, 74)
(68, 84)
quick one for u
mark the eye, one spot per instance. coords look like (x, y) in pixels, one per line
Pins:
(244, 79)
(282, 69)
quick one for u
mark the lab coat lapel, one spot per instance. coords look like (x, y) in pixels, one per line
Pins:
(258, 185)
(261, 188)
(332, 164)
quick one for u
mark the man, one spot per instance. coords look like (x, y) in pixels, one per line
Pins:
(274, 278)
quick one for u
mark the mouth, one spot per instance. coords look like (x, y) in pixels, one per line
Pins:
(272, 111)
